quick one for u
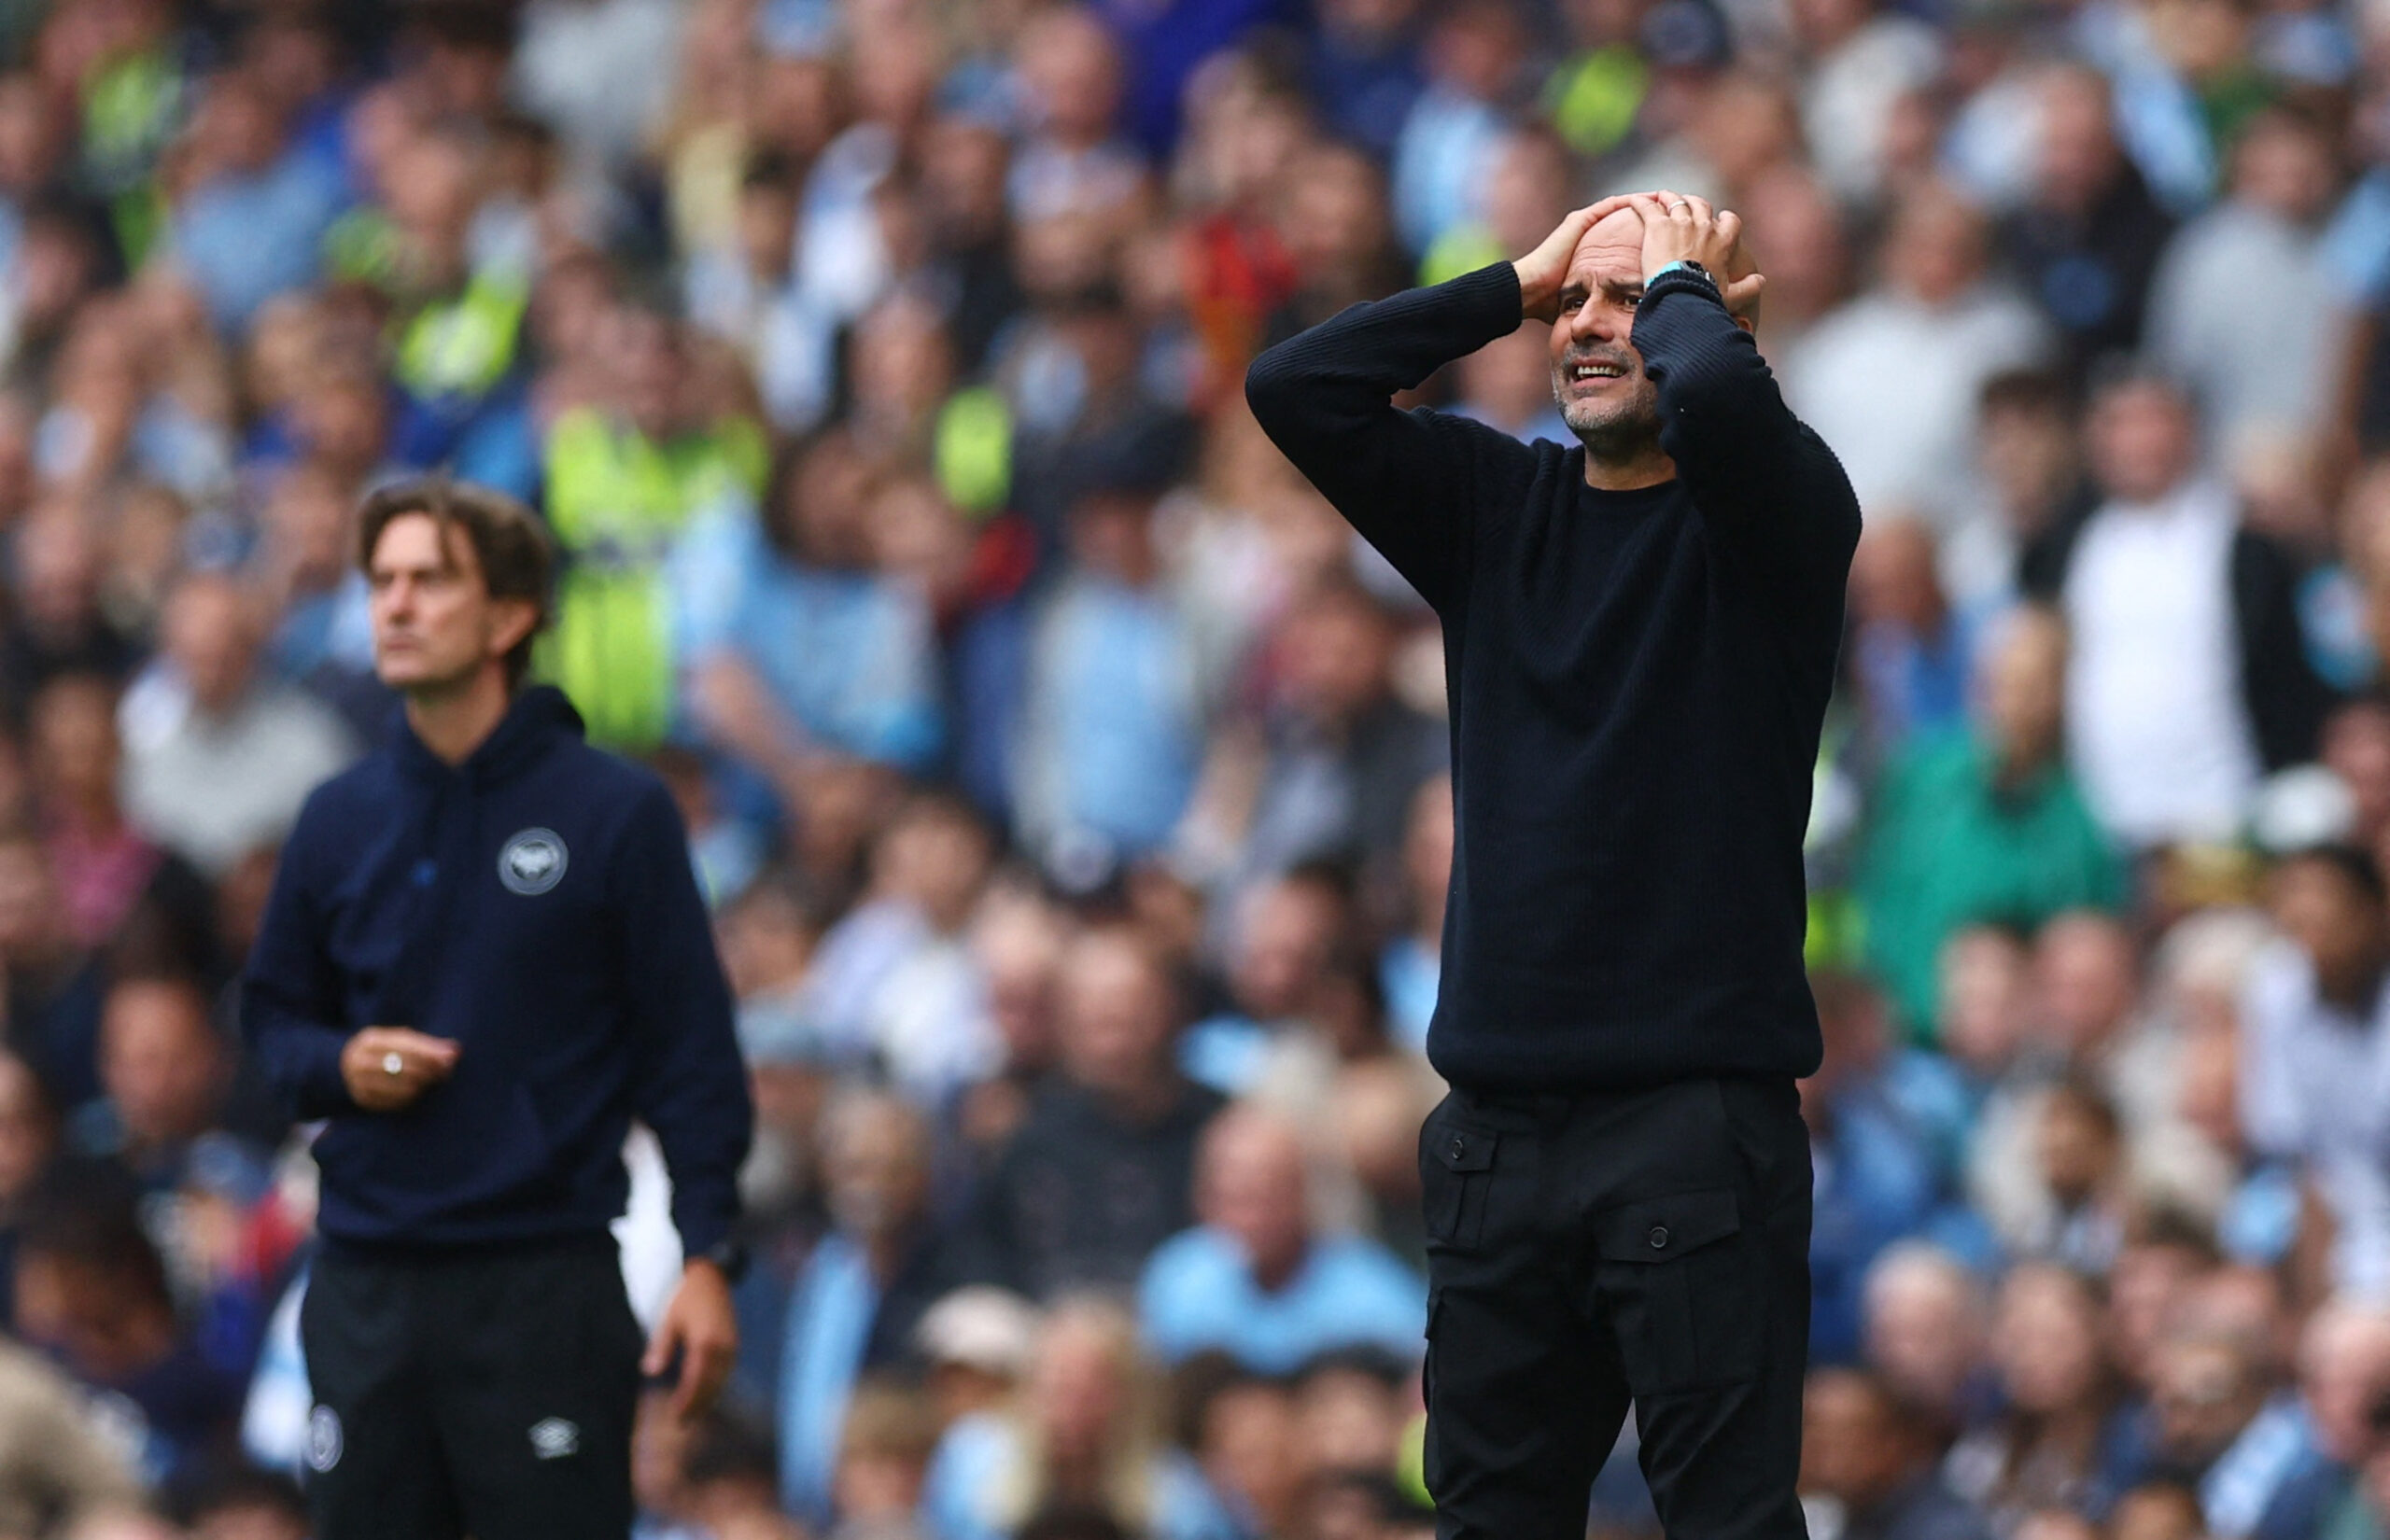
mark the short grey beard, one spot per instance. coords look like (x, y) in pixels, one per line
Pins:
(1619, 440)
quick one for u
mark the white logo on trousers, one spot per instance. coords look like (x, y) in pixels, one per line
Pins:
(553, 1438)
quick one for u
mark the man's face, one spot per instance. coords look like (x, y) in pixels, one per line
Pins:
(2328, 915)
(1252, 1187)
(876, 1173)
(2142, 441)
(160, 1062)
(1849, 1446)
(212, 638)
(1597, 377)
(1113, 1016)
(2202, 1400)
(435, 624)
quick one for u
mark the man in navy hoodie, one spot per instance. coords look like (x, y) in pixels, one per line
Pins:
(484, 955)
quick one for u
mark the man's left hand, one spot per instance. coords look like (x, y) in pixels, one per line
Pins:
(1681, 228)
(702, 1327)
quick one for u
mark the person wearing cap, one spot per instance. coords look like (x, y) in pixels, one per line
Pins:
(484, 956)
(1640, 639)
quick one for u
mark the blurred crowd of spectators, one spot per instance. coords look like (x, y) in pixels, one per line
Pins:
(1069, 783)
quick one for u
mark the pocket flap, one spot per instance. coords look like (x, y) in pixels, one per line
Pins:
(1661, 1229)
(1464, 1149)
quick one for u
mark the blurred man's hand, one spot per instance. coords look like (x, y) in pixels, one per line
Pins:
(389, 1068)
(701, 1325)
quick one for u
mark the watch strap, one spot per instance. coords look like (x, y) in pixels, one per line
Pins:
(1688, 267)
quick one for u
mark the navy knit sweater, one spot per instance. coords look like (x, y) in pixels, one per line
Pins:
(1637, 682)
(536, 903)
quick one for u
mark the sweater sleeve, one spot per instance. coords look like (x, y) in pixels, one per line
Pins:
(1761, 479)
(1410, 482)
(689, 1083)
(291, 996)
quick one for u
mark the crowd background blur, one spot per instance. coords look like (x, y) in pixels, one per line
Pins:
(1069, 783)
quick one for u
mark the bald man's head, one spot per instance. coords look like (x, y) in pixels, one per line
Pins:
(1618, 239)
(1597, 376)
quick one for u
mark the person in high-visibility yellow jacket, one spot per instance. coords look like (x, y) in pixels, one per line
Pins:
(625, 480)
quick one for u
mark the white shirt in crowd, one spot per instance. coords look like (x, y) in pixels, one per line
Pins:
(1893, 385)
(2155, 722)
(2235, 272)
(212, 789)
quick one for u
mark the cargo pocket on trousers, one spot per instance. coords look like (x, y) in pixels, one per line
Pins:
(1688, 1304)
(1455, 1176)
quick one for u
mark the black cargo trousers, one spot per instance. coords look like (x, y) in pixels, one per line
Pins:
(1588, 1250)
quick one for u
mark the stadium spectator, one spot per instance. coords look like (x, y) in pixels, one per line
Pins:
(864, 1290)
(1473, 54)
(2268, 231)
(102, 864)
(1346, 754)
(2029, 463)
(2186, 649)
(625, 478)
(1285, 936)
(1102, 1168)
(1923, 1327)
(2218, 1427)
(2087, 240)
(1244, 1444)
(1087, 1434)
(164, 1072)
(1883, 1124)
(1860, 1451)
(58, 1464)
(250, 205)
(799, 648)
(91, 1290)
(893, 984)
(890, 1435)
(2062, 1440)
(57, 623)
(2343, 1373)
(217, 759)
(1413, 959)
(1912, 653)
(2311, 1037)
(1256, 1279)
(1111, 717)
(1938, 326)
(2002, 794)
(54, 985)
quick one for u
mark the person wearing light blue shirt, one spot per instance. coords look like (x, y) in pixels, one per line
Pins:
(1109, 737)
(1256, 1282)
(862, 1292)
(846, 654)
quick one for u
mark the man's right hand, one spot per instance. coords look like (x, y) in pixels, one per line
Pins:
(387, 1067)
(1543, 272)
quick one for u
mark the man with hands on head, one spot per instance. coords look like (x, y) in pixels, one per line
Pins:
(484, 955)
(1639, 638)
